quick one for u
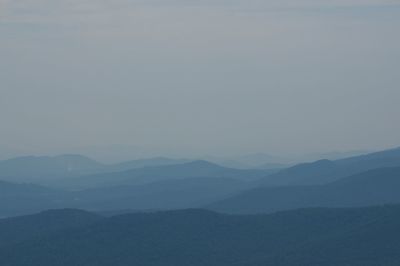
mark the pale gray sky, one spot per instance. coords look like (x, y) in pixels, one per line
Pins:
(200, 77)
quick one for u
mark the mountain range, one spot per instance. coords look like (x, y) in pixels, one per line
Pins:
(43, 169)
(183, 185)
(325, 171)
(342, 183)
(146, 175)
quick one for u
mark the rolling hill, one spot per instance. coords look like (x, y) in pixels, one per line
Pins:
(146, 175)
(161, 195)
(48, 170)
(326, 171)
(378, 186)
(19, 199)
(312, 237)
(18, 229)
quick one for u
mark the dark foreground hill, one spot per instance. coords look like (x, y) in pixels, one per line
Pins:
(323, 237)
(378, 186)
(18, 229)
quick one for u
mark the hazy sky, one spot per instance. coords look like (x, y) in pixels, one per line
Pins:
(200, 77)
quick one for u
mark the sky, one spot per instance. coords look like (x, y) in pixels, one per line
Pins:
(217, 77)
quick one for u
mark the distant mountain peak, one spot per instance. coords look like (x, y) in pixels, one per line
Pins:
(202, 163)
(312, 165)
(72, 156)
(66, 212)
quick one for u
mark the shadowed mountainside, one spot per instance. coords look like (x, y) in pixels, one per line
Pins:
(18, 229)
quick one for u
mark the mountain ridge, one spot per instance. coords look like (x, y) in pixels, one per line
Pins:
(313, 237)
(373, 187)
